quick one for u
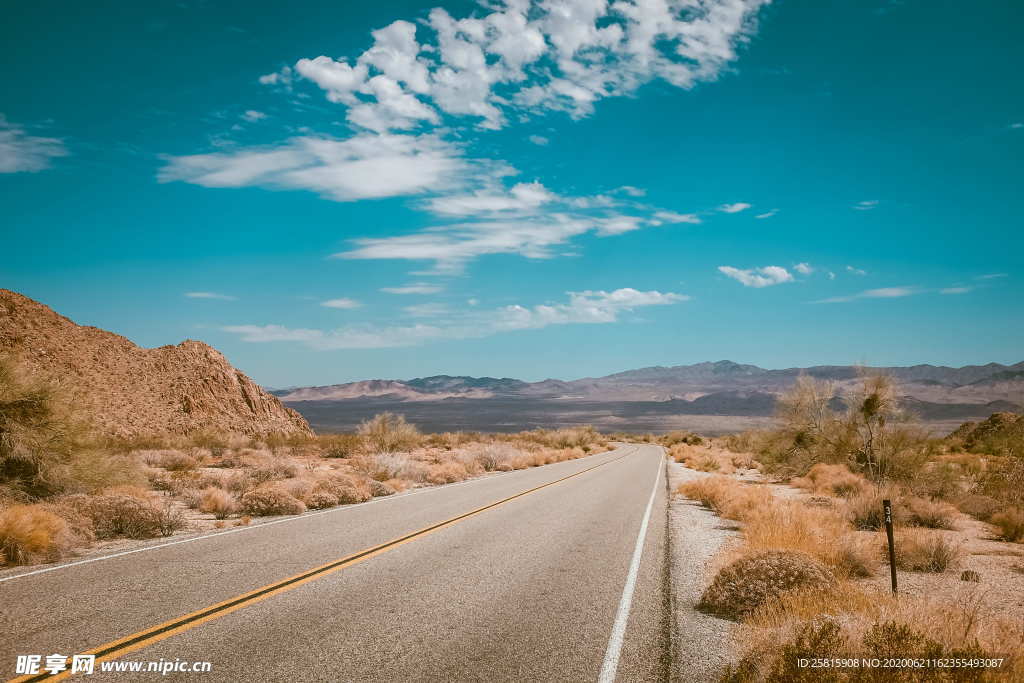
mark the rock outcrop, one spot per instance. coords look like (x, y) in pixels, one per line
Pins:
(129, 391)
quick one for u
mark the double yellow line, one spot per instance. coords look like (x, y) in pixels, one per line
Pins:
(154, 634)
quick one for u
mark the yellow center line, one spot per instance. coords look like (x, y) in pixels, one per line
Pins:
(122, 646)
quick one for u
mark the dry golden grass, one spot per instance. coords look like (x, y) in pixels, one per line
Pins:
(217, 502)
(832, 480)
(919, 550)
(760, 577)
(845, 621)
(1010, 523)
(30, 534)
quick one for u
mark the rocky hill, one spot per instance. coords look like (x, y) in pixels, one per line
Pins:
(126, 390)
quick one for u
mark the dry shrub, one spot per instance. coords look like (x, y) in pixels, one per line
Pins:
(297, 488)
(926, 551)
(340, 445)
(1010, 523)
(493, 456)
(171, 460)
(379, 489)
(446, 473)
(271, 500)
(398, 484)
(743, 585)
(979, 506)
(244, 520)
(117, 515)
(865, 509)
(385, 466)
(318, 500)
(834, 480)
(30, 534)
(274, 470)
(929, 513)
(345, 489)
(192, 498)
(388, 432)
(217, 502)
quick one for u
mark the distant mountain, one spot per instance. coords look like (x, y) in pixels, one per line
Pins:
(127, 390)
(710, 388)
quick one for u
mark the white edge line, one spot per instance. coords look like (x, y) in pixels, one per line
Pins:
(611, 656)
(203, 537)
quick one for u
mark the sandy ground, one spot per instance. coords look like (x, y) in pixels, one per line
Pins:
(703, 645)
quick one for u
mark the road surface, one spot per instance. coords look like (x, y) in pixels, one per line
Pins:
(553, 573)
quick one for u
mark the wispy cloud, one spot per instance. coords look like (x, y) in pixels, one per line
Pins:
(538, 140)
(413, 288)
(342, 302)
(855, 271)
(758, 277)
(588, 307)
(956, 290)
(734, 208)
(252, 115)
(210, 295)
(866, 205)
(882, 293)
(804, 268)
(21, 152)
(767, 214)
(992, 276)
(362, 167)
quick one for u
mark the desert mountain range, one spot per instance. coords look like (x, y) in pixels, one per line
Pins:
(720, 382)
(126, 390)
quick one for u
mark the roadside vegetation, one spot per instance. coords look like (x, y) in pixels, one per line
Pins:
(808, 578)
(62, 488)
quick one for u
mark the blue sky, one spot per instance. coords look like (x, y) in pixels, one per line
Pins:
(338, 191)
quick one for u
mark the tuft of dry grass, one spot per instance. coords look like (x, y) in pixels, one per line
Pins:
(1010, 523)
(833, 480)
(217, 502)
(844, 621)
(120, 515)
(30, 534)
(918, 550)
(932, 514)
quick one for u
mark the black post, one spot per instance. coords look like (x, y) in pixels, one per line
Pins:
(887, 508)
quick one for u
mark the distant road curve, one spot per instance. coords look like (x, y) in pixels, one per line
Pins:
(546, 574)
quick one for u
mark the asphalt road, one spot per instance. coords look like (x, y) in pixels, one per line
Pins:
(531, 589)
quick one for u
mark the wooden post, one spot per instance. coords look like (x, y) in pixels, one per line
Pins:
(887, 508)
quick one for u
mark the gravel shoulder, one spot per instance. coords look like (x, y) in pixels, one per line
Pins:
(703, 645)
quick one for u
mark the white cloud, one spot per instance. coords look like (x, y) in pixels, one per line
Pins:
(734, 208)
(767, 214)
(804, 268)
(365, 166)
(341, 303)
(632, 191)
(521, 197)
(523, 56)
(866, 205)
(588, 307)
(209, 295)
(955, 290)
(992, 276)
(883, 293)
(21, 152)
(855, 271)
(253, 115)
(673, 217)
(1016, 125)
(414, 288)
(758, 277)
(831, 275)
(538, 140)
